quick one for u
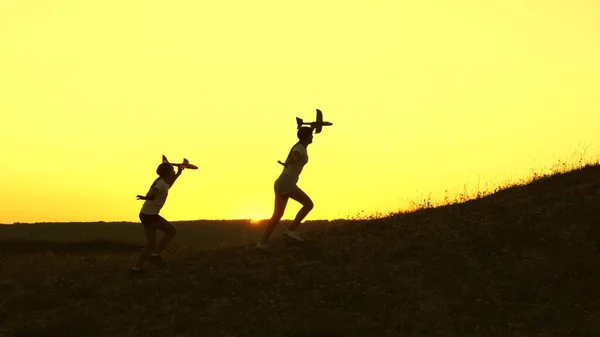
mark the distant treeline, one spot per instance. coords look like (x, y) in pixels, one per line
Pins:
(191, 233)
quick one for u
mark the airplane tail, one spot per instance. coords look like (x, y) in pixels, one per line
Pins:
(299, 121)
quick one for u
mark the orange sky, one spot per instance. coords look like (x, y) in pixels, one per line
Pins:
(425, 97)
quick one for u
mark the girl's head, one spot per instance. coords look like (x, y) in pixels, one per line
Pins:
(165, 171)
(305, 134)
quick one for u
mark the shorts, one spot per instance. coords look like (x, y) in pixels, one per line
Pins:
(285, 184)
(149, 219)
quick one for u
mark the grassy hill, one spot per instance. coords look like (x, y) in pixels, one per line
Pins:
(523, 261)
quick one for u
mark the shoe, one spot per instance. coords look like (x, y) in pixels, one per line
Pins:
(293, 235)
(262, 247)
(157, 260)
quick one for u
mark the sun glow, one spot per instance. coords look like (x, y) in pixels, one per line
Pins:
(256, 222)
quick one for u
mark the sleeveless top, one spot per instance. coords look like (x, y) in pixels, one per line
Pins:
(293, 169)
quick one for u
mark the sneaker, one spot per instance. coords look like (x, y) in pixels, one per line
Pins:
(262, 247)
(157, 260)
(293, 235)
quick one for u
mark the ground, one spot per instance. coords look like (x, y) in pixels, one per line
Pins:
(523, 261)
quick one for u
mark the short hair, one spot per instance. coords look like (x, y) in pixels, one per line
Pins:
(304, 132)
(163, 169)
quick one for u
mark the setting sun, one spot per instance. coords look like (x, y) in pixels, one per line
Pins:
(256, 222)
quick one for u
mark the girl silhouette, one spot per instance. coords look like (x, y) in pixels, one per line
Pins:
(285, 187)
(151, 219)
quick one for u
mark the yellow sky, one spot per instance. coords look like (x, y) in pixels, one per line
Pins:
(425, 96)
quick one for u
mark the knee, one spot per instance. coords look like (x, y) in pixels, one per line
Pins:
(309, 205)
(173, 231)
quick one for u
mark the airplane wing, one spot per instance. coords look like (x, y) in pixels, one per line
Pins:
(319, 121)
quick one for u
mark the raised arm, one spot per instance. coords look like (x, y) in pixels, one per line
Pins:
(179, 170)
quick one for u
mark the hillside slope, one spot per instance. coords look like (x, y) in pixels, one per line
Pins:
(522, 262)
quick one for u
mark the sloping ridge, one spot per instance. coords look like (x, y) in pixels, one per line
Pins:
(523, 261)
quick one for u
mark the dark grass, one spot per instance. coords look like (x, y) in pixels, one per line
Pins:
(57, 247)
(191, 233)
(523, 261)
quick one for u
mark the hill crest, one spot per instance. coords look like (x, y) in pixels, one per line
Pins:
(520, 262)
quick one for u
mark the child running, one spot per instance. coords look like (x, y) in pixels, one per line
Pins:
(285, 187)
(151, 219)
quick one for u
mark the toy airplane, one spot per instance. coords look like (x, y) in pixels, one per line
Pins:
(317, 125)
(186, 164)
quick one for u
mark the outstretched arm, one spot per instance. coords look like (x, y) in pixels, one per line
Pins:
(149, 196)
(291, 159)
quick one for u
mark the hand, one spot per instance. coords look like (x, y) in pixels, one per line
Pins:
(140, 197)
(184, 164)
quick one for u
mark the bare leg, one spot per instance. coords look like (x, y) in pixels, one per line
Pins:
(307, 206)
(280, 203)
(148, 248)
(169, 233)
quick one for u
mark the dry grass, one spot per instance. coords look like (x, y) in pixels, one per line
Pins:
(523, 261)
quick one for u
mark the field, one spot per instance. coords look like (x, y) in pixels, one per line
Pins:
(521, 261)
(190, 233)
